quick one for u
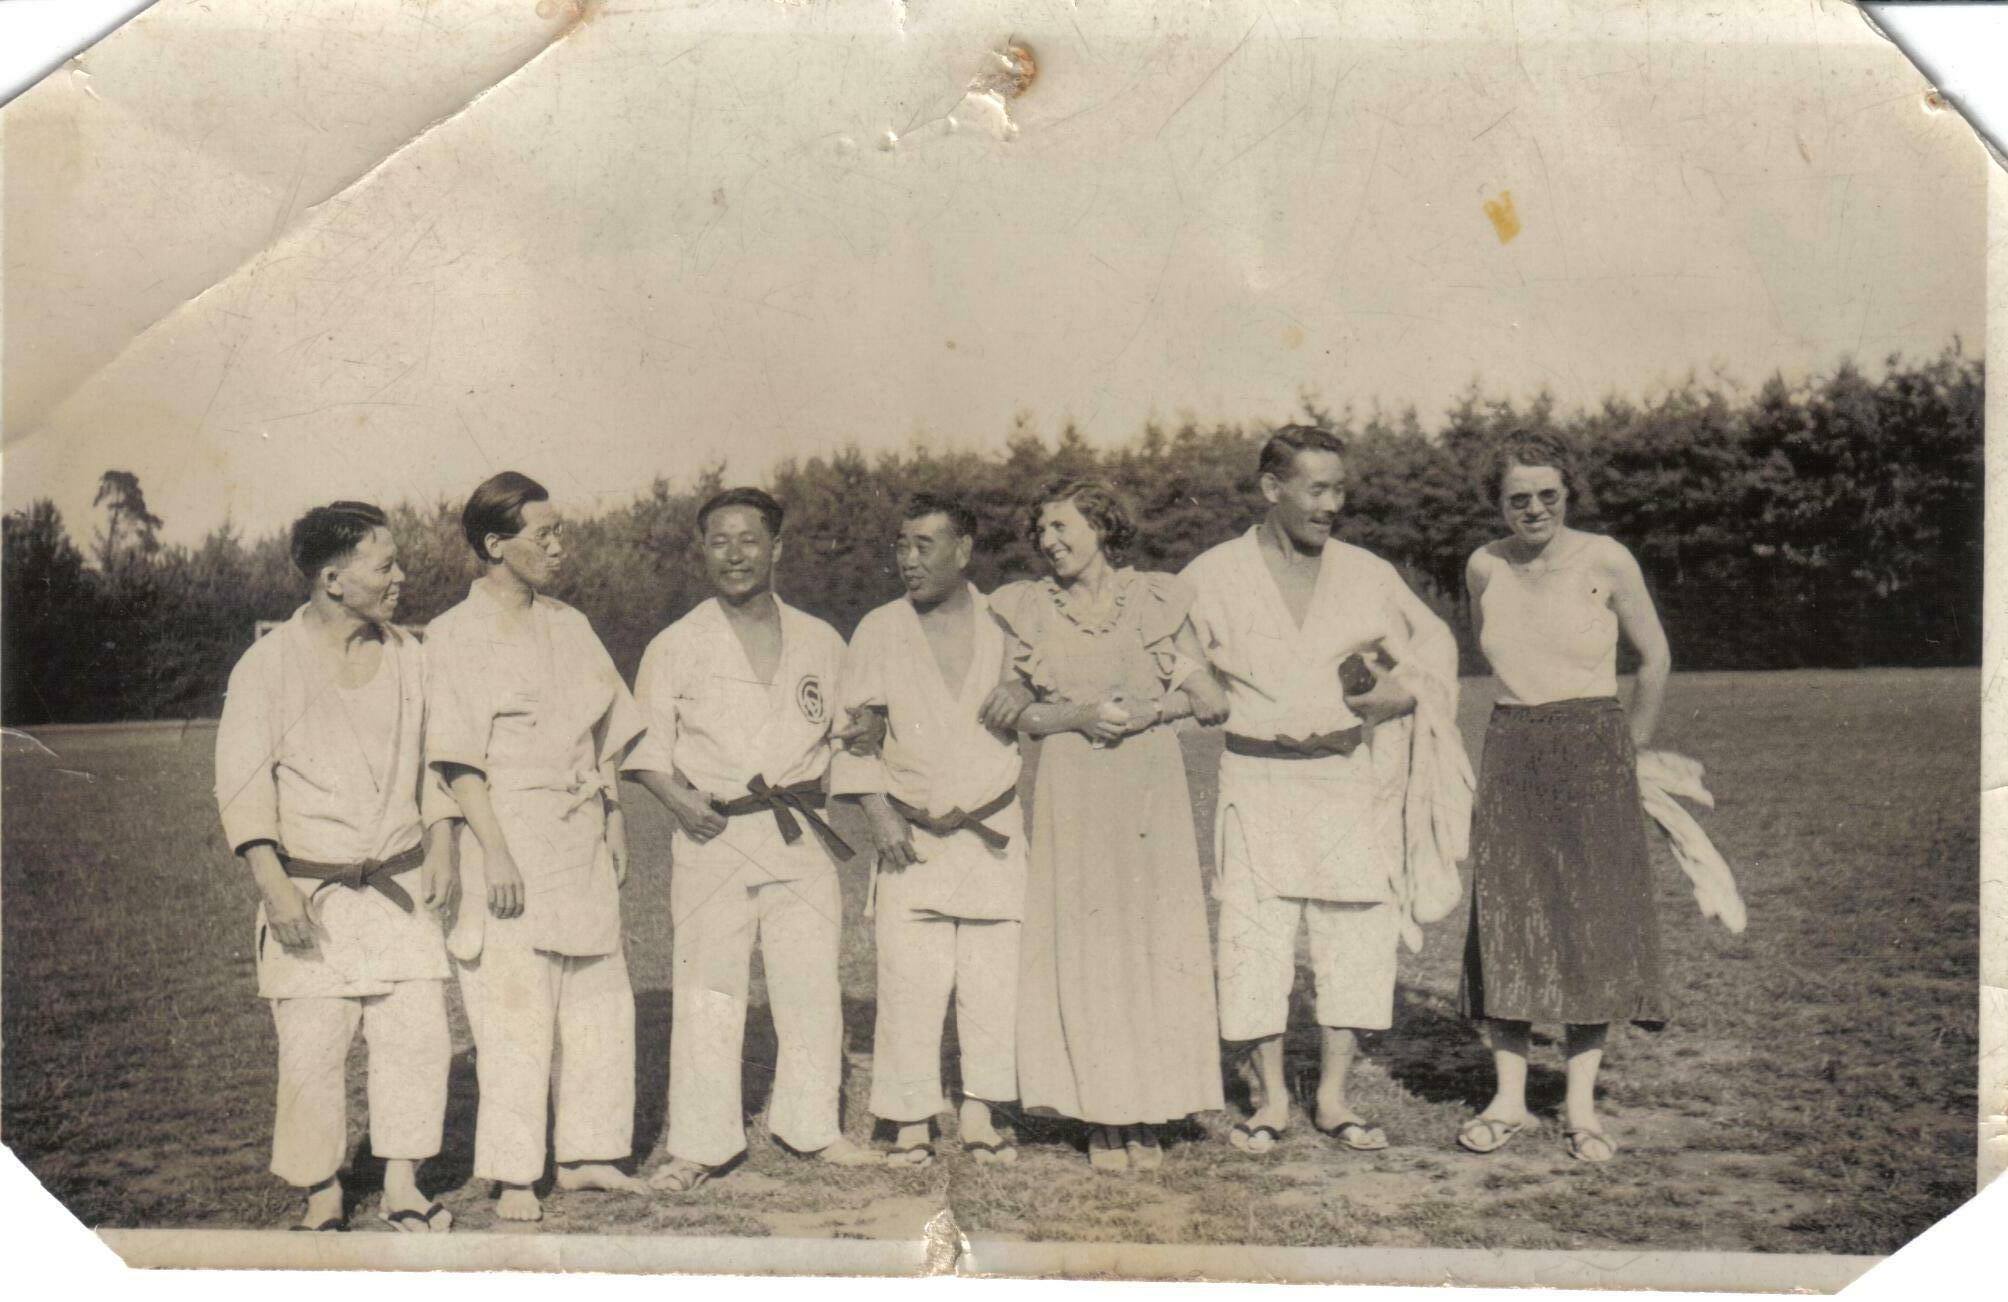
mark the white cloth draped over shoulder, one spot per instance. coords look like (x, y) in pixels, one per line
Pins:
(533, 701)
(1663, 776)
(298, 764)
(1386, 823)
(938, 757)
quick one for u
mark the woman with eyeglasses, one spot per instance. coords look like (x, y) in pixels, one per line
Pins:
(527, 723)
(1563, 927)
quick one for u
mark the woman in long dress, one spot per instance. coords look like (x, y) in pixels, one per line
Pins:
(1563, 927)
(1116, 1025)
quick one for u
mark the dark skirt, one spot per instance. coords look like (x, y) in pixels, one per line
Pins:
(1563, 922)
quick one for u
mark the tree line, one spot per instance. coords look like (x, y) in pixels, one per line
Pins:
(1834, 522)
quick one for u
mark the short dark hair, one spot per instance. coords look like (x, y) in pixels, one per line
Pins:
(759, 499)
(923, 504)
(1279, 454)
(497, 507)
(332, 533)
(1100, 502)
(1530, 448)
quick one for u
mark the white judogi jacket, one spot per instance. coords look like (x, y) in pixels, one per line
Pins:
(540, 712)
(939, 758)
(293, 767)
(711, 720)
(1383, 824)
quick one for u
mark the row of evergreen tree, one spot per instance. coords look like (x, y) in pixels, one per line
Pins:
(1831, 523)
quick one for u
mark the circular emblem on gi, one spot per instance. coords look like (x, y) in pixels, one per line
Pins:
(809, 695)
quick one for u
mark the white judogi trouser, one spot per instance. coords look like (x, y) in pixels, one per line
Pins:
(922, 956)
(1352, 959)
(528, 1007)
(716, 924)
(410, 1051)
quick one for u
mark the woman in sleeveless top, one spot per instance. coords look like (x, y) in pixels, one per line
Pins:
(1117, 1024)
(1562, 927)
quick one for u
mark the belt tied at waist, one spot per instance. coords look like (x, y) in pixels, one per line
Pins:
(370, 874)
(803, 798)
(958, 820)
(1317, 746)
(582, 785)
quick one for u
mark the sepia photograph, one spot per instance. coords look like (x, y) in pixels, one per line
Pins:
(1286, 641)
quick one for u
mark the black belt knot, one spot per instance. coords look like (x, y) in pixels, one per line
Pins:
(370, 874)
(960, 820)
(804, 798)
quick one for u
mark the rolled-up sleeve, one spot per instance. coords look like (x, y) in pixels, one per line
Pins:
(247, 790)
(861, 686)
(655, 700)
(456, 722)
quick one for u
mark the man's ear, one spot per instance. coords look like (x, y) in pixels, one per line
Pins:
(777, 552)
(329, 580)
(1272, 487)
(965, 551)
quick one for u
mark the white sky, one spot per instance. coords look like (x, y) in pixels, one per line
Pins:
(667, 240)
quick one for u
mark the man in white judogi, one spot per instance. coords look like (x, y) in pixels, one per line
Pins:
(737, 697)
(528, 722)
(1340, 808)
(941, 797)
(319, 776)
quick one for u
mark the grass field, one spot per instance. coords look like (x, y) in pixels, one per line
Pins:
(1815, 1092)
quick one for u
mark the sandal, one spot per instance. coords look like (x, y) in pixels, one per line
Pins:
(1358, 1136)
(680, 1175)
(1254, 1140)
(1590, 1145)
(333, 1225)
(1001, 1153)
(1105, 1154)
(915, 1156)
(1488, 1134)
(1143, 1150)
(407, 1221)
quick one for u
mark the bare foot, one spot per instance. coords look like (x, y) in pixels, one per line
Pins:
(979, 1125)
(1105, 1149)
(680, 1175)
(518, 1203)
(1336, 1118)
(605, 1176)
(911, 1146)
(845, 1153)
(1510, 1112)
(401, 1194)
(1274, 1113)
(324, 1204)
(1141, 1146)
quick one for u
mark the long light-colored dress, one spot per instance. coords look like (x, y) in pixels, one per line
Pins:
(1116, 1016)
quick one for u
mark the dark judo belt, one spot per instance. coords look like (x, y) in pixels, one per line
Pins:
(370, 874)
(804, 798)
(957, 820)
(1343, 742)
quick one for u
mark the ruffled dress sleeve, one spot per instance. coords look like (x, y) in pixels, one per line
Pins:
(1163, 605)
(1023, 611)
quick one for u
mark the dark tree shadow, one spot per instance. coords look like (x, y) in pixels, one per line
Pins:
(1436, 1055)
(652, 1011)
